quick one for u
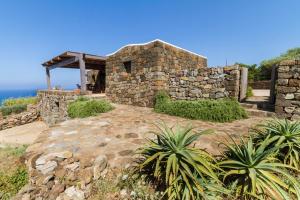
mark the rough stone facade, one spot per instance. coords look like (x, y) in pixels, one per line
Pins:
(61, 176)
(288, 90)
(212, 83)
(26, 117)
(53, 105)
(160, 66)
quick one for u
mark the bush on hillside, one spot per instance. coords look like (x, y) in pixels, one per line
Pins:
(85, 108)
(15, 109)
(20, 101)
(223, 110)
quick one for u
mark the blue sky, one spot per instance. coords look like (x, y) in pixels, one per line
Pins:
(237, 30)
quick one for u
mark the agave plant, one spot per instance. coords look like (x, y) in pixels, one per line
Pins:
(284, 134)
(184, 171)
(255, 172)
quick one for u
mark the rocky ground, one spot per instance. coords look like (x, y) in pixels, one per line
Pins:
(67, 158)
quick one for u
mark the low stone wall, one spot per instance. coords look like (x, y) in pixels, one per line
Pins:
(53, 104)
(212, 83)
(61, 175)
(13, 120)
(288, 90)
(266, 85)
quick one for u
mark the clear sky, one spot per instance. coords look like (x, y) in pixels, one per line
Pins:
(245, 31)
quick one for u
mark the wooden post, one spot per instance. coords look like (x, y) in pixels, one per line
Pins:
(82, 74)
(48, 78)
(243, 83)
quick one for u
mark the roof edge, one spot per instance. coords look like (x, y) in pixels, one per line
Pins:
(156, 40)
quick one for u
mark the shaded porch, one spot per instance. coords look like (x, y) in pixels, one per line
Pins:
(93, 64)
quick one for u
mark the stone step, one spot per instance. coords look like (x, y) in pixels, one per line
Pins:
(259, 113)
(249, 105)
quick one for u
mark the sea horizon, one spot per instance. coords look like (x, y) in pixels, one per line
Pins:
(16, 93)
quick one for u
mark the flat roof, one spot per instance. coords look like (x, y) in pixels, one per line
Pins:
(68, 60)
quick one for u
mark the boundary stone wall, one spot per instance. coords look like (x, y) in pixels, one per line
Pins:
(288, 90)
(211, 83)
(26, 117)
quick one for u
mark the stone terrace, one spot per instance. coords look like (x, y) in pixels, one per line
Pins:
(65, 159)
(118, 133)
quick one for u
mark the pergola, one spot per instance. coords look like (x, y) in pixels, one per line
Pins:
(75, 60)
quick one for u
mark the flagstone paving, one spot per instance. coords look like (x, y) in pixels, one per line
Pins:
(117, 134)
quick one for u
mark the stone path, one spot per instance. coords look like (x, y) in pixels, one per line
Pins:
(117, 134)
(25, 134)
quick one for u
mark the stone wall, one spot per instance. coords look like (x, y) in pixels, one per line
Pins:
(151, 65)
(53, 105)
(212, 83)
(13, 120)
(288, 90)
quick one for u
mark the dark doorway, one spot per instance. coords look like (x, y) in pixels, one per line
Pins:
(96, 80)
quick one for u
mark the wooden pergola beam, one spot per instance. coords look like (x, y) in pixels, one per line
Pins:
(65, 62)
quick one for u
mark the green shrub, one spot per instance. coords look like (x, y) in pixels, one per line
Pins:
(172, 163)
(85, 108)
(224, 110)
(285, 135)
(11, 183)
(255, 172)
(15, 109)
(20, 101)
(249, 92)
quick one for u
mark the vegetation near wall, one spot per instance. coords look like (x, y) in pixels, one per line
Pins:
(223, 110)
(85, 108)
(16, 105)
(263, 71)
(14, 109)
(20, 101)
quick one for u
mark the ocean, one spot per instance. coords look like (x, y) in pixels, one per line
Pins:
(6, 94)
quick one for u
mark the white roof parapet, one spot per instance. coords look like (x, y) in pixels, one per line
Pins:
(156, 40)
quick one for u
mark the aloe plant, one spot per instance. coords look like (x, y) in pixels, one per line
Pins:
(284, 134)
(184, 171)
(256, 173)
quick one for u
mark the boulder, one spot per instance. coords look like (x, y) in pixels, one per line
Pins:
(46, 168)
(74, 193)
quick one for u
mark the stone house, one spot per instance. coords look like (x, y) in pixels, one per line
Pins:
(134, 73)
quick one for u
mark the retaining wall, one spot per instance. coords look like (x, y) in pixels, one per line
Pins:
(13, 120)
